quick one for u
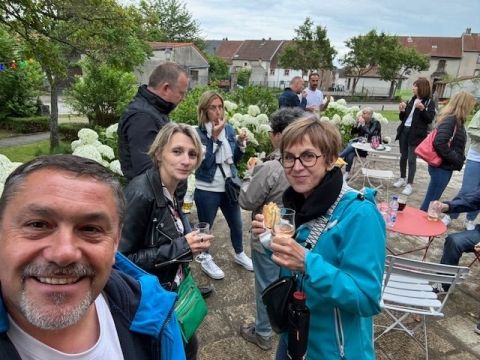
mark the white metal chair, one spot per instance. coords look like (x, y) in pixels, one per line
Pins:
(407, 289)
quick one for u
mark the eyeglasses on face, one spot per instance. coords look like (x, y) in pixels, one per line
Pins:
(307, 159)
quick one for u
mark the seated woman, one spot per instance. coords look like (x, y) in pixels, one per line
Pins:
(366, 127)
(342, 281)
(156, 235)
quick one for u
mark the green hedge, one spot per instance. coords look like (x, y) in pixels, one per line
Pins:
(69, 131)
(25, 125)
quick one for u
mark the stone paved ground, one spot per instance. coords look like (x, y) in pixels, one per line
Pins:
(451, 337)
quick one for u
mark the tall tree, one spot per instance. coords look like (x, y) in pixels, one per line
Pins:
(310, 49)
(382, 53)
(57, 31)
(218, 68)
(169, 20)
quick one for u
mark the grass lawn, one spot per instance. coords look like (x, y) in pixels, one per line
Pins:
(23, 153)
(390, 115)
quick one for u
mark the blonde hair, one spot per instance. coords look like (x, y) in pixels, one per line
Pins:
(203, 104)
(322, 134)
(165, 135)
(460, 105)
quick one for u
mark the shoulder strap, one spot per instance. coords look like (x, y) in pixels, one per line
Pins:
(221, 170)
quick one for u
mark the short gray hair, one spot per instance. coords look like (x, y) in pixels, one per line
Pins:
(166, 72)
(79, 166)
(295, 79)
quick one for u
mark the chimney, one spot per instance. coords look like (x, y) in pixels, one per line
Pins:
(468, 31)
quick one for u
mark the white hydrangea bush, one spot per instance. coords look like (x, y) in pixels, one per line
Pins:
(6, 168)
(89, 146)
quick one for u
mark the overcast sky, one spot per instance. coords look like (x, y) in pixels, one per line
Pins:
(277, 19)
(257, 19)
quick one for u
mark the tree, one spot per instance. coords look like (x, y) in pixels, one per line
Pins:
(217, 68)
(310, 49)
(382, 53)
(57, 31)
(20, 83)
(243, 77)
(102, 93)
(169, 20)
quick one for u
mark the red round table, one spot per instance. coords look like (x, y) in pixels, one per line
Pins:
(414, 222)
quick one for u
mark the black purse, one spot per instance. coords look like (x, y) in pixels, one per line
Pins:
(232, 186)
(276, 298)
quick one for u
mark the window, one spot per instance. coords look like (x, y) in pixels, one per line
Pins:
(272, 71)
(286, 72)
(194, 75)
(478, 59)
(245, 64)
(441, 65)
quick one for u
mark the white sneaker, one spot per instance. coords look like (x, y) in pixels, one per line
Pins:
(399, 183)
(469, 225)
(244, 260)
(211, 269)
(446, 220)
(408, 190)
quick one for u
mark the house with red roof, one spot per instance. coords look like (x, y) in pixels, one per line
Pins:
(185, 54)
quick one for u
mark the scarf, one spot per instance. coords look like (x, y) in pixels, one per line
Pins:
(318, 202)
(224, 152)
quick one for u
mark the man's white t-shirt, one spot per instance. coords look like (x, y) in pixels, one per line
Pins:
(314, 98)
(106, 347)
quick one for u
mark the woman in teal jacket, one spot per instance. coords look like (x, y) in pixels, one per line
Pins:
(339, 246)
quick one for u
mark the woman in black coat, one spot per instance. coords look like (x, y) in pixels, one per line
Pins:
(449, 144)
(415, 116)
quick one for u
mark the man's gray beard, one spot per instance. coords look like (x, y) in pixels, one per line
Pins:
(57, 318)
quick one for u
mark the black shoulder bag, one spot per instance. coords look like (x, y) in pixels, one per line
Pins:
(232, 186)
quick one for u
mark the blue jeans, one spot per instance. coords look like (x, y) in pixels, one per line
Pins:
(348, 154)
(439, 179)
(282, 348)
(266, 272)
(208, 203)
(470, 183)
(458, 243)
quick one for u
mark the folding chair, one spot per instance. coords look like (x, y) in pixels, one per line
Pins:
(407, 289)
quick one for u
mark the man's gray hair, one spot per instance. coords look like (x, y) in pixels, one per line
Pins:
(166, 72)
(283, 117)
(79, 166)
(295, 79)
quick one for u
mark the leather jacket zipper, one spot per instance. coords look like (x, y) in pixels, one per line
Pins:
(339, 333)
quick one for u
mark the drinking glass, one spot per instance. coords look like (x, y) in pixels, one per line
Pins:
(375, 142)
(402, 202)
(433, 212)
(285, 226)
(203, 228)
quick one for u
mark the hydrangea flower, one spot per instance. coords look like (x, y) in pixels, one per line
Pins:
(75, 144)
(89, 152)
(253, 110)
(111, 131)
(230, 106)
(87, 136)
(106, 151)
(116, 167)
(262, 119)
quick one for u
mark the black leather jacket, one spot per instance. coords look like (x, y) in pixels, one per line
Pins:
(149, 235)
(453, 154)
(420, 121)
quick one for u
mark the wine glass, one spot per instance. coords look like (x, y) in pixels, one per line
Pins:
(203, 228)
(285, 225)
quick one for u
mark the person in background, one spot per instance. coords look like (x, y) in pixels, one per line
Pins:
(341, 280)
(471, 173)
(314, 95)
(449, 144)
(146, 114)
(222, 151)
(65, 291)
(293, 96)
(415, 116)
(365, 127)
(156, 235)
(267, 184)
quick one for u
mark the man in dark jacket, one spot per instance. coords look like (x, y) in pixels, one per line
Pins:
(465, 241)
(60, 223)
(146, 114)
(290, 96)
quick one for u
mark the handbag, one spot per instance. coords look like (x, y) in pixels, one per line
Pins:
(190, 307)
(426, 151)
(232, 187)
(276, 298)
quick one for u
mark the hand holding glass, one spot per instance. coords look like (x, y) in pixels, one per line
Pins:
(202, 228)
(285, 225)
(433, 212)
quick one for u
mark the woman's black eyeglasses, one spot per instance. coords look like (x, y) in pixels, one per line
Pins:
(307, 159)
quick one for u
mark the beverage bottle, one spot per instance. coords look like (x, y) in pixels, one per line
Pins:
(298, 325)
(187, 203)
(392, 211)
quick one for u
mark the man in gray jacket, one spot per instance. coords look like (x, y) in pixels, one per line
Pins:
(268, 183)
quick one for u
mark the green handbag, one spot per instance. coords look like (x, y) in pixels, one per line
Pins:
(190, 307)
